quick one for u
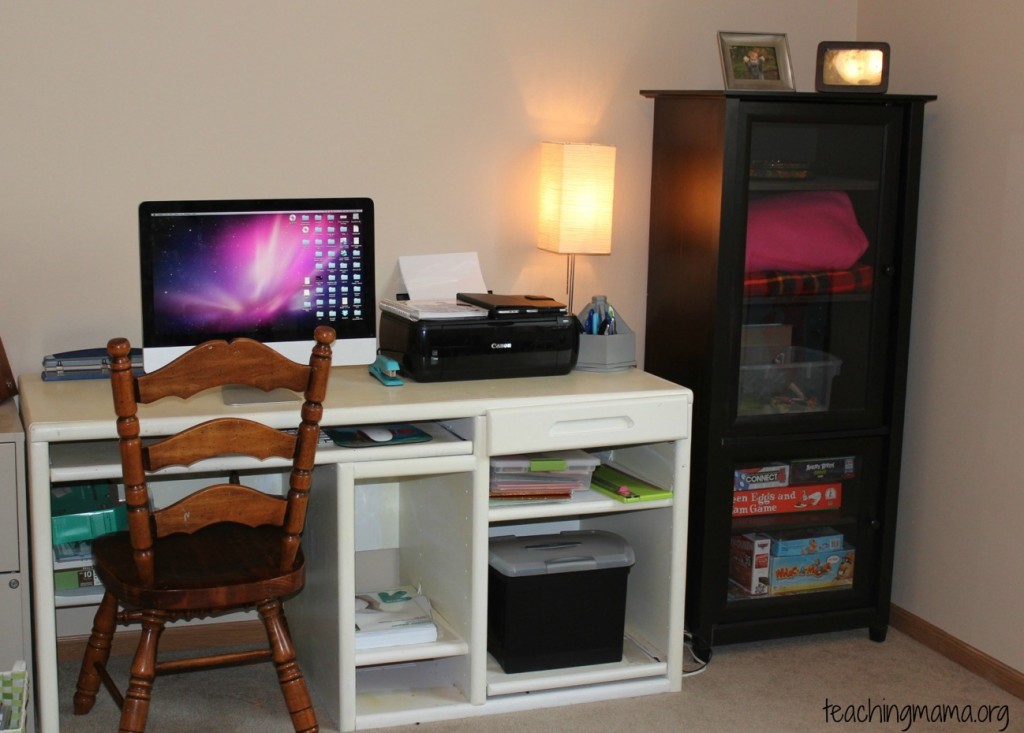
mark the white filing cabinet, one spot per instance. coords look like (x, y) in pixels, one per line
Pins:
(15, 621)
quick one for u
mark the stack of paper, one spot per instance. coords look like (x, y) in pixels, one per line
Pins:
(393, 617)
(425, 310)
(432, 282)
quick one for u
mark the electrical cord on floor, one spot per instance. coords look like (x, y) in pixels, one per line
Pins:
(701, 664)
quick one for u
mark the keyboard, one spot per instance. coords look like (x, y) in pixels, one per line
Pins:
(324, 438)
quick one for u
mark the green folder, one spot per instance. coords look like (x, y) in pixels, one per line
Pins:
(625, 488)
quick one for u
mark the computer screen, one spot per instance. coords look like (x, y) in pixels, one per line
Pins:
(271, 270)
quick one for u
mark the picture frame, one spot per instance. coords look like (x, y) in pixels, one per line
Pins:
(756, 61)
(852, 66)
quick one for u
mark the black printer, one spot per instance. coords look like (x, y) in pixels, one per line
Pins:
(486, 347)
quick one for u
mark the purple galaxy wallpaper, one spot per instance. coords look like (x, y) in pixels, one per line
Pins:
(235, 273)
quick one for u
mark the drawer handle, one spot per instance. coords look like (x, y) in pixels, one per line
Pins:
(593, 425)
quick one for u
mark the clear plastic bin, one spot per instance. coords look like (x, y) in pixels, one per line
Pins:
(14, 690)
(568, 469)
(793, 379)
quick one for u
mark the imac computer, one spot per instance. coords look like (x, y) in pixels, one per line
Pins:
(271, 270)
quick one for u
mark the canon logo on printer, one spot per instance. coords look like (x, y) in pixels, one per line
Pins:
(501, 345)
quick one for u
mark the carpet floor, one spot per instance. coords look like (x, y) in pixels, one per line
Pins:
(827, 682)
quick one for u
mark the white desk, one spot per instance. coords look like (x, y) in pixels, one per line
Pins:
(423, 509)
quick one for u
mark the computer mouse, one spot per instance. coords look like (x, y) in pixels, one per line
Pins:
(377, 435)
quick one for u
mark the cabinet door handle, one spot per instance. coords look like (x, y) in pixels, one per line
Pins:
(889, 270)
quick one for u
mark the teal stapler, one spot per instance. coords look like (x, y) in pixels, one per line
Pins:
(386, 370)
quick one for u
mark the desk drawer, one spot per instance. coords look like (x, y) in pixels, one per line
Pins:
(591, 425)
(9, 496)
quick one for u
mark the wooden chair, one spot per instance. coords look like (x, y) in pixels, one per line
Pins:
(223, 548)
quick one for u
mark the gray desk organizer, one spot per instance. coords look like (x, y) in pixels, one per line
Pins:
(610, 352)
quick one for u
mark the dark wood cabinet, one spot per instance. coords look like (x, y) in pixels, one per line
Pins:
(782, 241)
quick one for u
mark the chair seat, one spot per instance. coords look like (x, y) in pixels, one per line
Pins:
(219, 567)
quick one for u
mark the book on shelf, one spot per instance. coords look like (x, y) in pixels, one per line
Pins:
(393, 617)
(531, 494)
(76, 578)
(535, 481)
(535, 486)
(426, 310)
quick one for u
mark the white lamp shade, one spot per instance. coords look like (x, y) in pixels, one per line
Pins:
(576, 193)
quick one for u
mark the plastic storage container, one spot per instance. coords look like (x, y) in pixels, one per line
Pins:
(83, 511)
(568, 469)
(785, 380)
(612, 350)
(14, 692)
(557, 600)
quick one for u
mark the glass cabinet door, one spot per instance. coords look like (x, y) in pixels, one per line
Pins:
(820, 235)
(804, 523)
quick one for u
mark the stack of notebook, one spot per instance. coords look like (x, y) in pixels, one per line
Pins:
(84, 364)
(392, 618)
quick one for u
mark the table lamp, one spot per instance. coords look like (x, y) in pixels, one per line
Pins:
(576, 192)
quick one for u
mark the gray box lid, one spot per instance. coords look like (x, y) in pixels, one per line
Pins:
(566, 552)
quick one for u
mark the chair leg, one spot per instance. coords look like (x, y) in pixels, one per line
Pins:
(140, 686)
(96, 654)
(289, 675)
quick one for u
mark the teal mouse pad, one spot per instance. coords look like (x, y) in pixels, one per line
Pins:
(360, 436)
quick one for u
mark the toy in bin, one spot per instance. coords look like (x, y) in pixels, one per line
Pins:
(557, 600)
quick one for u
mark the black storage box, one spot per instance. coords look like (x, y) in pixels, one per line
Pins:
(557, 600)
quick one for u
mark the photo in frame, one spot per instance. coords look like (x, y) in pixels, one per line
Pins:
(852, 66)
(756, 61)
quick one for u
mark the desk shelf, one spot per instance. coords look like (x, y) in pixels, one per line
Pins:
(448, 644)
(94, 460)
(78, 597)
(409, 692)
(637, 663)
(582, 502)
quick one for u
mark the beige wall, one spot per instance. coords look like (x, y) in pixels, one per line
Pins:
(959, 542)
(435, 109)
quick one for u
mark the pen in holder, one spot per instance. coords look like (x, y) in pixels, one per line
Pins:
(607, 343)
